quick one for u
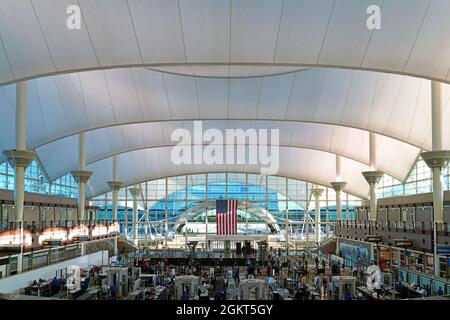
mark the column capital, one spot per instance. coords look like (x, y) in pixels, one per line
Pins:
(135, 192)
(317, 192)
(372, 176)
(115, 185)
(436, 159)
(81, 175)
(20, 158)
(338, 185)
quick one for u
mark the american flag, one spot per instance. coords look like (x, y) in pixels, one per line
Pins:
(226, 217)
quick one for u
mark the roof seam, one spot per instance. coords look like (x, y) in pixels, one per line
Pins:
(370, 39)
(7, 57)
(89, 34)
(417, 36)
(43, 35)
(278, 32)
(134, 31)
(326, 31)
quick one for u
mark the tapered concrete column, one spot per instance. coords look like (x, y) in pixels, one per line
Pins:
(20, 159)
(135, 192)
(115, 187)
(436, 160)
(338, 187)
(317, 193)
(373, 177)
(82, 176)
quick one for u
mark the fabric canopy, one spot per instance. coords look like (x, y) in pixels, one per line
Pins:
(136, 70)
(224, 37)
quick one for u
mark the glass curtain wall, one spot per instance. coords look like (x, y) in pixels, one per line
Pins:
(419, 181)
(36, 181)
(185, 207)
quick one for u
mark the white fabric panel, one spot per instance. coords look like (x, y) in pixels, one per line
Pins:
(394, 105)
(6, 73)
(274, 96)
(163, 33)
(96, 98)
(70, 49)
(360, 92)
(213, 98)
(347, 19)
(204, 23)
(445, 91)
(182, 96)
(152, 94)
(99, 143)
(54, 121)
(23, 42)
(123, 93)
(158, 30)
(110, 26)
(398, 40)
(330, 104)
(425, 57)
(294, 33)
(395, 157)
(310, 165)
(251, 40)
(7, 118)
(69, 87)
(305, 93)
(244, 98)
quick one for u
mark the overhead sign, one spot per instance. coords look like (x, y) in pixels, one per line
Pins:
(443, 250)
(375, 239)
(404, 243)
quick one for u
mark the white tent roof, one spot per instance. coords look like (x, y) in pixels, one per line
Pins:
(310, 68)
(224, 37)
(129, 109)
(391, 105)
(110, 141)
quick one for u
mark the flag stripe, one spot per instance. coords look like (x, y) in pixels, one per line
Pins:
(226, 217)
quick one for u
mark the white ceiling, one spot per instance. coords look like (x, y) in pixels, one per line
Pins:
(225, 37)
(309, 68)
(128, 109)
(347, 142)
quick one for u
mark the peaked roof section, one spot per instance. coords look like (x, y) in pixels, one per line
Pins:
(310, 68)
(224, 37)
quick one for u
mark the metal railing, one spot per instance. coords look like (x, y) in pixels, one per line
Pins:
(40, 258)
(398, 226)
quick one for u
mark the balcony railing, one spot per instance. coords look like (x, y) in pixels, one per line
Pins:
(398, 226)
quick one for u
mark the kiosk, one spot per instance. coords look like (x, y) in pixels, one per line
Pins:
(252, 289)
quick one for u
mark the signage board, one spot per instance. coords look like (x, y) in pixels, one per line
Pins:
(443, 250)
